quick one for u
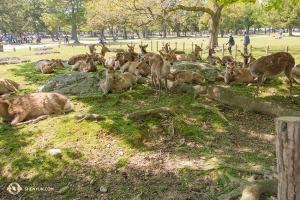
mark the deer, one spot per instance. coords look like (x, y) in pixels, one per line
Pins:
(186, 76)
(192, 57)
(145, 54)
(80, 57)
(138, 68)
(160, 69)
(247, 59)
(212, 59)
(234, 75)
(133, 56)
(48, 67)
(272, 65)
(226, 59)
(85, 66)
(32, 106)
(9, 86)
(116, 82)
(100, 57)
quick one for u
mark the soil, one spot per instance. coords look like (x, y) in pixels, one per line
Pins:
(164, 171)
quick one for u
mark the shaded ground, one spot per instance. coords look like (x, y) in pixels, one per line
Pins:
(172, 167)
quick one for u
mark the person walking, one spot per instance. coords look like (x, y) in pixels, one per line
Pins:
(246, 42)
(67, 39)
(230, 43)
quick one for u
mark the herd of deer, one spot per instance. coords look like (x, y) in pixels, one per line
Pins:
(132, 64)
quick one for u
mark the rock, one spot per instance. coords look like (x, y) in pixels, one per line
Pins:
(63, 190)
(210, 72)
(103, 189)
(72, 83)
(54, 152)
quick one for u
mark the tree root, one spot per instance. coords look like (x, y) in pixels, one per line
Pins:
(250, 190)
(151, 111)
(214, 110)
(89, 117)
(35, 120)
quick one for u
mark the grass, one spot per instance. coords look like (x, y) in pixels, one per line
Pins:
(24, 149)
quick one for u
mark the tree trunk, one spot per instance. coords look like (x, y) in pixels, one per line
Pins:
(288, 157)
(214, 25)
(125, 33)
(290, 31)
(138, 34)
(145, 31)
(74, 34)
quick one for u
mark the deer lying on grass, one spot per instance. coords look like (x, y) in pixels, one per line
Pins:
(186, 76)
(272, 65)
(234, 75)
(213, 59)
(48, 67)
(132, 55)
(192, 57)
(146, 55)
(7, 85)
(226, 59)
(117, 82)
(85, 66)
(100, 57)
(140, 68)
(160, 69)
(80, 57)
(34, 105)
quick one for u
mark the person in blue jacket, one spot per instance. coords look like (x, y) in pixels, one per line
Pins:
(231, 43)
(246, 42)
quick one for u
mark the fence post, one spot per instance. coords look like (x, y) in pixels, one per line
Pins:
(183, 45)
(201, 45)
(156, 46)
(175, 45)
(223, 50)
(192, 46)
(120, 44)
(288, 157)
(29, 48)
(235, 52)
(151, 46)
(109, 43)
(250, 48)
(287, 49)
(14, 49)
(267, 50)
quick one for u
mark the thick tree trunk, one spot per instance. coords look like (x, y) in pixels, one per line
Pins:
(214, 25)
(74, 34)
(177, 29)
(290, 31)
(125, 33)
(288, 157)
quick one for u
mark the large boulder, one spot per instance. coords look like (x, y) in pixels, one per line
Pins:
(211, 73)
(72, 83)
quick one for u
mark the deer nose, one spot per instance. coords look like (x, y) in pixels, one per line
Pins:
(171, 63)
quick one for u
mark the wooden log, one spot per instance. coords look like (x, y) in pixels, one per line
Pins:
(288, 157)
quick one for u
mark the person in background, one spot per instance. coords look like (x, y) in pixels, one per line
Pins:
(246, 42)
(231, 43)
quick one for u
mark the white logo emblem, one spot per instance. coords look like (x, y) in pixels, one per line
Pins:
(14, 188)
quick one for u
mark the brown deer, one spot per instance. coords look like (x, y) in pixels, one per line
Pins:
(34, 105)
(85, 66)
(212, 59)
(146, 55)
(116, 82)
(7, 85)
(192, 57)
(139, 68)
(100, 57)
(160, 69)
(80, 57)
(186, 76)
(247, 59)
(48, 67)
(226, 59)
(272, 65)
(132, 55)
(235, 75)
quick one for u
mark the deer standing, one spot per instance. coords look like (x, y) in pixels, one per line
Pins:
(272, 65)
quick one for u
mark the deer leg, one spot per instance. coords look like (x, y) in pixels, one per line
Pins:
(166, 84)
(18, 118)
(288, 74)
(259, 82)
